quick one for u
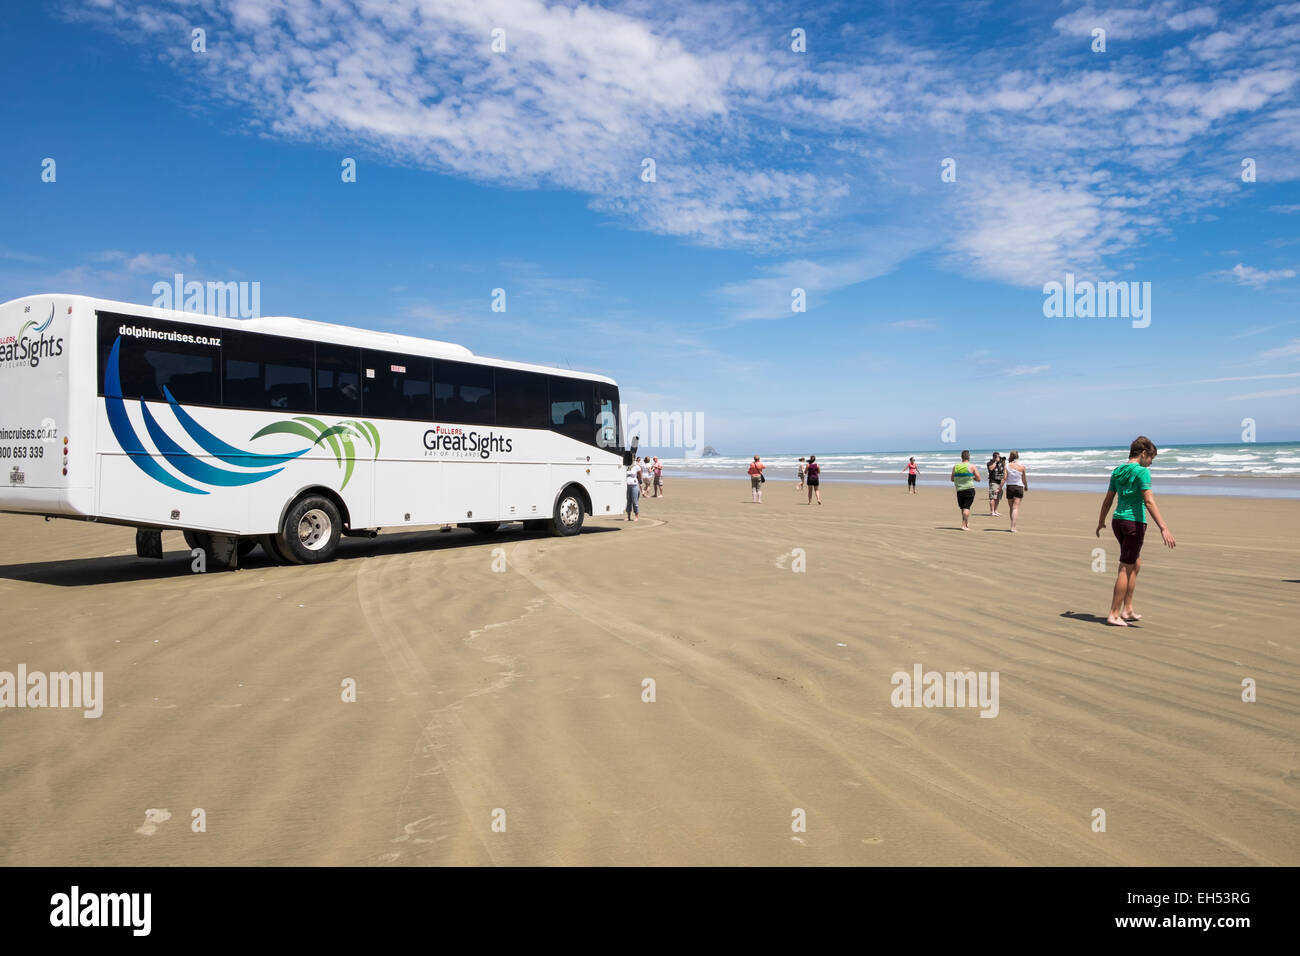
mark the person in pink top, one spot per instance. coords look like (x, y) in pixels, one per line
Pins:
(912, 472)
(756, 480)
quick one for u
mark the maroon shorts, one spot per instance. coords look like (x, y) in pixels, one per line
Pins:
(1129, 534)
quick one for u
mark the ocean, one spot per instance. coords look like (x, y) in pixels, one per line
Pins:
(1250, 469)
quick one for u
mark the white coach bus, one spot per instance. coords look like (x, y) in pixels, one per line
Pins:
(287, 433)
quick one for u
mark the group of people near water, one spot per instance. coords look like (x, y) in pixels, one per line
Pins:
(1006, 476)
(643, 476)
(1130, 483)
(810, 477)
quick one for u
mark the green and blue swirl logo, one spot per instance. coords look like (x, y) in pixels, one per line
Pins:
(340, 439)
(32, 324)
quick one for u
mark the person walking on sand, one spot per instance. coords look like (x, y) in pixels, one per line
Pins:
(964, 475)
(658, 469)
(814, 479)
(997, 472)
(646, 476)
(633, 490)
(1132, 483)
(803, 471)
(912, 472)
(1017, 483)
(756, 480)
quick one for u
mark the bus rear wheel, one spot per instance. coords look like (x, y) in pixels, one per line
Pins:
(310, 532)
(569, 511)
(200, 540)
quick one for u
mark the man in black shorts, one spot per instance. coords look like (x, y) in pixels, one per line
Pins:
(964, 475)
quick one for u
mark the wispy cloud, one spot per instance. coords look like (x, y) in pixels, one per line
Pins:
(146, 263)
(1276, 393)
(427, 316)
(1290, 350)
(14, 256)
(1026, 370)
(773, 295)
(1263, 328)
(912, 324)
(1061, 164)
(1248, 275)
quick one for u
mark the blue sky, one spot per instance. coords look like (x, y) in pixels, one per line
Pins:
(775, 169)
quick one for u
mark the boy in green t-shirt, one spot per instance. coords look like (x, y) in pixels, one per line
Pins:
(1132, 482)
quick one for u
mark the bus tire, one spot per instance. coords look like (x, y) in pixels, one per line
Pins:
(569, 511)
(485, 528)
(311, 530)
(199, 539)
(271, 549)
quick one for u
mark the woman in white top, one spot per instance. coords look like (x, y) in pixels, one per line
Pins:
(1016, 484)
(633, 491)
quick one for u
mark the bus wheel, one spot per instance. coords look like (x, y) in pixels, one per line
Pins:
(311, 531)
(271, 548)
(485, 528)
(200, 540)
(568, 514)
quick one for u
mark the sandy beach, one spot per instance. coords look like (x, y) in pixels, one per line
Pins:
(512, 680)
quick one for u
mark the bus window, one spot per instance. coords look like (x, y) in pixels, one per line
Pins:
(571, 408)
(267, 372)
(338, 380)
(521, 399)
(607, 424)
(463, 393)
(154, 355)
(396, 386)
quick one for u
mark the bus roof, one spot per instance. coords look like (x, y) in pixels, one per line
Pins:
(296, 328)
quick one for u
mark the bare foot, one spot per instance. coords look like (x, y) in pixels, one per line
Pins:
(1131, 616)
(1116, 621)
(964, 528)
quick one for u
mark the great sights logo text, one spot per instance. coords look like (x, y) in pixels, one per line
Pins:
(452, 442)
(21, 350)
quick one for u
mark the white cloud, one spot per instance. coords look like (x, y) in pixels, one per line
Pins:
(912, 324)
(1276, 393)
(1060, 164)
(1136, 22)
(161, 264)
(427, 316)
(1026, 370)
(14, 256)
(771, 296)
(1248, 275)
(1290, 350)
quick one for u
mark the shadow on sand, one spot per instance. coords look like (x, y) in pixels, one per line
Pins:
(86, 572)
(1093, 618)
